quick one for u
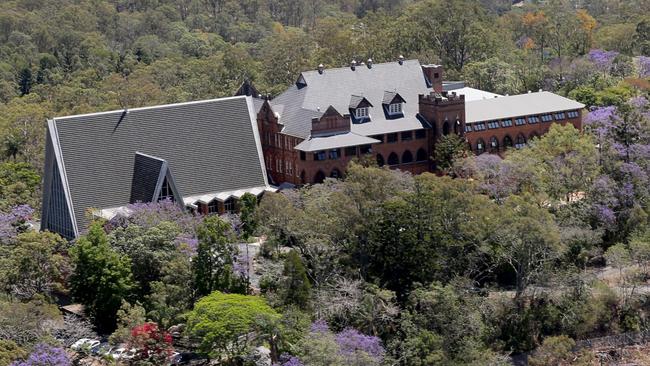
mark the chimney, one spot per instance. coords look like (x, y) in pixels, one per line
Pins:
(369, 63)
(320, 68)
(433, 73)
(400, 59)
(353, 65)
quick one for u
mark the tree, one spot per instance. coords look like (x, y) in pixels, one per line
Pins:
(101, 278)
(36, 265)
(525, 238)
(296, 288)
(212, 265)
(10, 351)
(13, 145)
(153, 345)
(26, 81)
(552, 351)
(46, 355)
(448, 150)
(248, 204)
(227, 323)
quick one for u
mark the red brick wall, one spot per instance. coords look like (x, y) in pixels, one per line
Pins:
(527, 130)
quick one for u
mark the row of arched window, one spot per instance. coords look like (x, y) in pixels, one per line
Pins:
(494, 144)
(407, 157)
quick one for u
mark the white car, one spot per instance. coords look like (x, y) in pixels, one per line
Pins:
(123, 353)
(84, 344)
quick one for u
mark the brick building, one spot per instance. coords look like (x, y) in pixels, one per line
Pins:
(394, 112)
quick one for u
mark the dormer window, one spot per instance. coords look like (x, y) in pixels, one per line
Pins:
(361, 112)
(395, 108)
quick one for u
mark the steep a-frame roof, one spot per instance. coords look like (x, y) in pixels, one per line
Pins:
(336, 87)
(210, 146)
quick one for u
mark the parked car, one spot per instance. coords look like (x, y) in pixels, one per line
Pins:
(101, 349)
(123, 353)
(175, 358)
(84, 344)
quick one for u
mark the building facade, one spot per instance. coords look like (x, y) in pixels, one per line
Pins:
(393, 112)
(202, 155)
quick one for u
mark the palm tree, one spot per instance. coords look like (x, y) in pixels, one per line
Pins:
(12, 145)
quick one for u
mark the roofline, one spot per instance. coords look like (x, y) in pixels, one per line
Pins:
(58, 158)
(359, 66)
(256, 134)
(55, 119)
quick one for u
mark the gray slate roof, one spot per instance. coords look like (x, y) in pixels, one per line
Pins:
(518, 105)
(146, 173)
(210, 146)
(335, 87)
(334, 141)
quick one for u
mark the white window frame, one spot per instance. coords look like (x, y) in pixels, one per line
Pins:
(361, 112)
(395, 108)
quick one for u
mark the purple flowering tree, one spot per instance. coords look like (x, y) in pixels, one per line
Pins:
(45, 355)
(14, 222)
(351, 342)
(603, 60)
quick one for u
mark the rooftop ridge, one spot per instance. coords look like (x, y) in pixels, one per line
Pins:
(160, 106)
(374, 65)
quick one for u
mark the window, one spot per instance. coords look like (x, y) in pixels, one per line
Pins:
(468, 128)
(229, 206)
(507, 141)
(420, 134)
(393, 159)
(506, 123)
(407, 135)
(320, 155)
(335, 173)
(166, 192)
(335, 154)
(278, 166)
(479, 126)
(303, 156)
(559, 116)
(533, 119)
(494, 144)
(289, 167)
(407, 157)
(380, 160)
(391, 138)
(573, 114)
(378, 137)
(521, 142)
(361, 112)
(395, 108)
(547, 118)
(213, 207)
(365, 149)
(520, 121)
(351, 151)
(480, 147)
(493, 124)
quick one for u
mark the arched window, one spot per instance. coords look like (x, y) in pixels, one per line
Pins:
(335, 173)
(480, 147)
(393, 159)
(380, 160)
(507, 141)
(457, 128)
(521, 141)
(319, 177)
(494, 144)
(302, 177)
(407, 157)
(533, 135)
(445, 128)
(421, 155)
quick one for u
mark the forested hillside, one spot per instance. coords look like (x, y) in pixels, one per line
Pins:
(499, 256)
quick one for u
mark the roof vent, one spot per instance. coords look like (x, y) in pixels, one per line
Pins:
(369, 63)
(400, 59)
(320, 68)
(353, 64)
